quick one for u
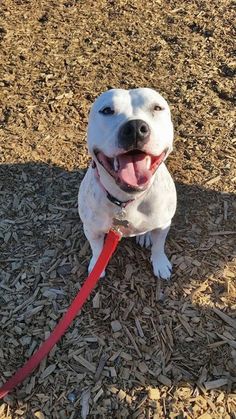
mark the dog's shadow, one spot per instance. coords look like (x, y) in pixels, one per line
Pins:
(201, 243)
(172, 325)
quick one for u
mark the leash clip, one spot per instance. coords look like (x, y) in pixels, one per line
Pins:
(116, 229)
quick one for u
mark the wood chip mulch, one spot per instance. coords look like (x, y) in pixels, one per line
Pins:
(141, 347)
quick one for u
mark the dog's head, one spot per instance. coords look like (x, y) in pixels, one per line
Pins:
(130, 134)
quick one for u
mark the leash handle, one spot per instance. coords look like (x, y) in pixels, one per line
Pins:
(110, 245)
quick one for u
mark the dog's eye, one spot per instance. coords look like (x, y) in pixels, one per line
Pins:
(157, 108)
(107, 111)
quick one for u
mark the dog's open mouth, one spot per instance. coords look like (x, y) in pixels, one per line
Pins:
(131, 170)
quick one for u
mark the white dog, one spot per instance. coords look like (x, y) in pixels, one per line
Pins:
(127, 185)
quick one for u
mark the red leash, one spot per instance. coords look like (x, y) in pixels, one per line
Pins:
(110, 245)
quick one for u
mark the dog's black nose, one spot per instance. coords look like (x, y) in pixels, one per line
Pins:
(133, 134)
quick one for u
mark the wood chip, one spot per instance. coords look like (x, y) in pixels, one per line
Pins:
(113, 390)
(142, 367)
(154, 393)
(113, 372)
(222, 233)
(128, 310)
(164, 380)
(121, 395)
(139, 328)
(101, 365)
(132, 340)
(225, 317)
(98, 395)
(209, 385)
(205, 416)
(213, 180)
(52, 70)
(39, 415)
(49, 370)
(88, 365)
(186, 325)
(96, 300)
(85, 397)
(116, 326)
(126, 356)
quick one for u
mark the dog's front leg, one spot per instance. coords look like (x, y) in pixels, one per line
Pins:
(161, 265)
(96, 241)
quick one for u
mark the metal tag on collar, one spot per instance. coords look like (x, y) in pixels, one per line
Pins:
(119, 219)
(120, 213)
(120, 223)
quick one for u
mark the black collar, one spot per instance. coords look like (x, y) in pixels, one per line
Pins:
(121, 204)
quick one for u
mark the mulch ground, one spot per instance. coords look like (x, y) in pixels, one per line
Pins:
(140, 348)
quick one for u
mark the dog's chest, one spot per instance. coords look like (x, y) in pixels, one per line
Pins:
(130, 221)
(153, 211)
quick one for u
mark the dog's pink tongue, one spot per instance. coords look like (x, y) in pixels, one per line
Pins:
(133, 169)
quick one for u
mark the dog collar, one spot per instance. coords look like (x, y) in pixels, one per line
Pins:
(121, 204)
(111, 198)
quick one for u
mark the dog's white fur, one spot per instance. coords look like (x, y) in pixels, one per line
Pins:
(150, 213)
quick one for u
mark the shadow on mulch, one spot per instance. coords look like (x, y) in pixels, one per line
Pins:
(44, 258)
(197, 225)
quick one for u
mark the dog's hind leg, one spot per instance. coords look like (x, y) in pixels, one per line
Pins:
(96, 241)
(161, 266)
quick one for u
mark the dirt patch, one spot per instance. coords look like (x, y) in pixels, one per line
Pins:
(140, 348)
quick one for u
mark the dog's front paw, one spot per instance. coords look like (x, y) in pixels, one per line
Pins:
(144, 240)
(162, 268)
(91, 266)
